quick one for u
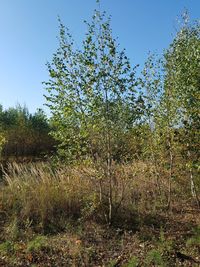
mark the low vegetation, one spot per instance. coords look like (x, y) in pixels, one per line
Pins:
(61, 216)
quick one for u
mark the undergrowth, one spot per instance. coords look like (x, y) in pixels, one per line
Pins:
(39, 204)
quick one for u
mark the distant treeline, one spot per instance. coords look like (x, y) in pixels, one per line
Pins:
(24, 135)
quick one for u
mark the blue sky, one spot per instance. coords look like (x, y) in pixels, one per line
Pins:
(28, 30)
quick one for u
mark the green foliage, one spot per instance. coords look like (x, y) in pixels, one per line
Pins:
(171, 88)
(112, 263)
(164, 245)
(37, 244)
(161, 254)
(12, 230)
(23, 134)
(91, 93)
(195, 239)
(2, 141)
(154, 257)
(133, 262)
(182, 69)
(6, 247)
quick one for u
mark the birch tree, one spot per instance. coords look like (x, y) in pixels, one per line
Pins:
(92, 95)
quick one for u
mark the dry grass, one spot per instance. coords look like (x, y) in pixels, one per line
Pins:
(46, 199)
(37, 200)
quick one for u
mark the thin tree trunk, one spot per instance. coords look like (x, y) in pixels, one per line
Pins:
(154, 160)
(192, 183)
(170, 175)
(109, 161)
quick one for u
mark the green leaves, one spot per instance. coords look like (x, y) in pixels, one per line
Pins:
(23, 134)
(90, 90)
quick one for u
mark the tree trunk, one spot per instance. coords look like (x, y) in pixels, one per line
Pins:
(192, 183)
(171, 162)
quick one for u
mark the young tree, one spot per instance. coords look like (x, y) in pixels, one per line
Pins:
(2, 135)
(91, 94)
(2, 141)
(172, 101)
(183, 79)
(152, 84)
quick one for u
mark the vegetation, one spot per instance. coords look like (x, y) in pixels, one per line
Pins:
(24, 135)
(123, 186)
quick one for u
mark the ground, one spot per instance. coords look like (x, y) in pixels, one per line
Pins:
(167, 240)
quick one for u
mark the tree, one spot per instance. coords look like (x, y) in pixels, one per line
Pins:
(92, 96)
(91, 91)
(2, 134)
(2, 141)
(152, 84)
(27, 135)
(171, 86)
(183, 80)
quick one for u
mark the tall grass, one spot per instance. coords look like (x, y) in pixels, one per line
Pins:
(46, 199)
(42, 196)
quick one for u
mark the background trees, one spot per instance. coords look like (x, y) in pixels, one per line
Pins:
(183, 80)
(23, 134)
(172, 87)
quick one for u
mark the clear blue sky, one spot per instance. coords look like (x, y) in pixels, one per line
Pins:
(28, 30)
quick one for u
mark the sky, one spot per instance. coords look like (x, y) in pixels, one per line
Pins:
(29, 30)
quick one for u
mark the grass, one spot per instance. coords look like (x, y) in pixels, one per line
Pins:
(59, 216)
(37, 244)
(47, 199)
(43, 198)
(6, 247)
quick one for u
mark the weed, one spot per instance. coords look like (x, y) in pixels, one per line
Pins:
(37, 244)
(7, 247)
(112, 263)
(154, 256)
(195, 239)
(133, 262)
(12, 230)
(164, 245)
